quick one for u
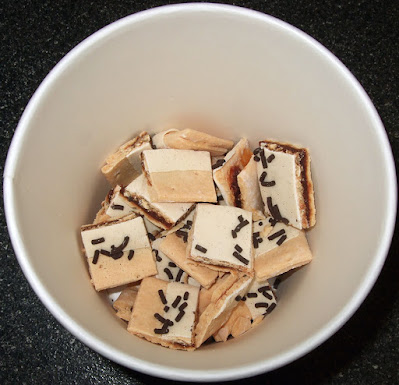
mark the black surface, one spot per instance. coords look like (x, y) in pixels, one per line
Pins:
(35, 35)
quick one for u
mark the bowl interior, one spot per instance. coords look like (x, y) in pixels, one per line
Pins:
(245, 74)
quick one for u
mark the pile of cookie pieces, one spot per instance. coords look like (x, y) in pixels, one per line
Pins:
(194, 231)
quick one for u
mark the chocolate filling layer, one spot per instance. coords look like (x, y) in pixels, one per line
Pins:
(303, 158)
(234, 171)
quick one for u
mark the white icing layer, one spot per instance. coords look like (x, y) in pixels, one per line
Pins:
(165, 160)
(184, 327)
(268, 237)
(282, 171)
(134, 157)
(115, 235)
(172, 211)
(118, 201)
(213, 228)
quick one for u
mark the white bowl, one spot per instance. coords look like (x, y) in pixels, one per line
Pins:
(251, 75)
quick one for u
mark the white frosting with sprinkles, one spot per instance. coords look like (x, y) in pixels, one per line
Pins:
(212, 231)
(182, 328)
(134, 156)
(114, 235)
(173, 211)
(118, 201)
(259, 301)
(165, 160)
(269, 238)
(281, 172)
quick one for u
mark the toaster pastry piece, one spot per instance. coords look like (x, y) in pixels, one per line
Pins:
(221, 236)
(125, 164)
(286, 184)
(165, 313)
(225, 176)
(278, 249)
(118, 252)
(179, 175)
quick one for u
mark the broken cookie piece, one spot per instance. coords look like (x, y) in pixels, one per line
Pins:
(250, 311)
(179, 175)
(286, 184)
(189, 139)
(165, 313)
(225, 176)
(118, 252)
(125, 164)
(222, 236)
(125, 302)
(278, 249)
(217, 313)
(164, 215)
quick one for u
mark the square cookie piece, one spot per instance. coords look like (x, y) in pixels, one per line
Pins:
(125, 164)
(278, 248)
(286, 184)
(164, 215)
(222, 236)
(179, 175)
(165, 313)
(118, 252)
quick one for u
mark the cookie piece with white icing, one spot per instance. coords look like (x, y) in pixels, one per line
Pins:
(286, 184)
(225, 176)
(167, 269)
(165, 313)
(118, 252)
(164, 215)
(252, 308)
(124, 165)
(189, 139)
(217, 313)
(222, 236)
(179, 175)
(278, 249)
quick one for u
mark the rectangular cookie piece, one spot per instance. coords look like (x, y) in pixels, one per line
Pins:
(189, 139)
(286, 184)
(164, 313)
(278, 249)
(164, 215)
(125, 302)
(167, 269)
(222, 236)
(225, 172)
(118, 252)
(217, 314)
(125, 164)
(179, 175)
(252, 308)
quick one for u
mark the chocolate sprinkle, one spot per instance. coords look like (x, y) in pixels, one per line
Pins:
(275, 213)
(262, 304)
(264, 290)
(240, 258)
(183, 306)
(263, 158)
(176, 301)
(151, 237)
(219, 163)
(97, 241)
(252, 295)
(281, 240)
(179, 274)
(166, 308)
(105, 252)
(162, 296)
(242, 224)
(158, 316)
(270, 158)
(172, 264)
(276, 235)
(256, 239)
(238, 298)
(117, 207)
(180, 316)
(168, 273)
(185, 296)
(244, 298)
(131, 254)
(271, 308)
(201, 249)
(238, 248)
(95, 258)
(157, 256)
(182, 234)
(265, 183)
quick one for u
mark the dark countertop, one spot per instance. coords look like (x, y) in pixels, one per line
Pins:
(35, 35)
